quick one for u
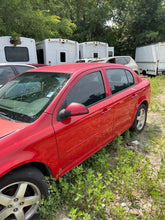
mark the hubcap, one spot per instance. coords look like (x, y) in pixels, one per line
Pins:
(141, 119)
(19, 201)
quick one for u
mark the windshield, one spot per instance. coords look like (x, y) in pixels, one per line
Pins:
(27, 96)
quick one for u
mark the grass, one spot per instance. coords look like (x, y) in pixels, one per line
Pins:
(118, 182)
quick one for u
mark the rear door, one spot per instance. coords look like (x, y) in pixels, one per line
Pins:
(124, 98)
(161, 57)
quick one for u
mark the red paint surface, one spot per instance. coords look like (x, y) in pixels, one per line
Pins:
(61, 145)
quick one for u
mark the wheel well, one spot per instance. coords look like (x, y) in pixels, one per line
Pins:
(45, 170)
(145, 103)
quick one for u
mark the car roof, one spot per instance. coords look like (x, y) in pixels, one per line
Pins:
(76, 67)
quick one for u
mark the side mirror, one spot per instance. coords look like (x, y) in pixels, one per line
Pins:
(73, 109)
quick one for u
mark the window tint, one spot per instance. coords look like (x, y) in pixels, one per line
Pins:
(130, 78)
(117, 79)
(6, 73)
(88, 90)
(17, 54)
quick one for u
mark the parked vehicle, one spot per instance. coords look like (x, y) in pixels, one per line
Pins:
(22, 51)
(55, 117)
(125, 60)
(94, 49)
(9, 71)
(37, 65)
(57, 51)
(151, 59)
(85, 60)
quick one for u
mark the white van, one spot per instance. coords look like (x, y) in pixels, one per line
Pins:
(151, 59)
(23, 52)
(57, 51)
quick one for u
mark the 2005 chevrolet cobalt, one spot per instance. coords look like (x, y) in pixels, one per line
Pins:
(55, 117)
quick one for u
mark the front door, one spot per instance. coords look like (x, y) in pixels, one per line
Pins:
(80, 136)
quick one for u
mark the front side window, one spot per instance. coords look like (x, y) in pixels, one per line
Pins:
(117, 79)
(87, 91)
(130, 78)
(17, 54)
(26, 97)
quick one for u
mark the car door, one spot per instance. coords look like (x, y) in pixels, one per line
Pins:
(80, 136)
(124, 96)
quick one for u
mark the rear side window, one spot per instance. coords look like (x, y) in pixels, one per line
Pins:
(17, 54)
(128, 59)
(130, 78)
(88, 90)
(121, 60)
(117, 79)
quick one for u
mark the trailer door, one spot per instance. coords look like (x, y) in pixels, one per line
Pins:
(161, 59)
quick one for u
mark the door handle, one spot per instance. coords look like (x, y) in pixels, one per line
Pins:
(134, 95)
(105, 111)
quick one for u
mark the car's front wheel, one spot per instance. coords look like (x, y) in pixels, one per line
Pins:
(140, 119)
(20, 193)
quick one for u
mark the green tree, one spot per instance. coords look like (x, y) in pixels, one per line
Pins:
(33, 19)
(137, 22)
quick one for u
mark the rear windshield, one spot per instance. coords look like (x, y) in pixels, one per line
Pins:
(17, 54)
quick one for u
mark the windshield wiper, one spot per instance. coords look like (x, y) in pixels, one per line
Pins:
(5, 116)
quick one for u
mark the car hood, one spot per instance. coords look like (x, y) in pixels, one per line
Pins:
(8, 127)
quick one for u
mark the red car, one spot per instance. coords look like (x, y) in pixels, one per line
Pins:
(52, 119)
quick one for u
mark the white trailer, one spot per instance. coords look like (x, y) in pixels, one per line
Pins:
(57, 51)
(151, 59)
(22, 51)
(93, 49)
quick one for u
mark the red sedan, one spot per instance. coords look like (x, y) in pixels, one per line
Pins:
(52, 119)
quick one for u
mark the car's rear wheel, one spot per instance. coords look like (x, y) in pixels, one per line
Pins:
(20, 193)
(140, 119)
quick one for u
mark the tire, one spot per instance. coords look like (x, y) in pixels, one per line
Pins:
(20, 193)
(140, 119)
